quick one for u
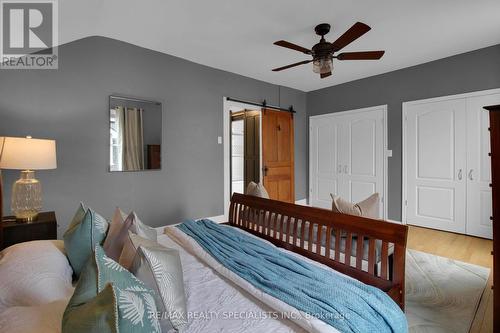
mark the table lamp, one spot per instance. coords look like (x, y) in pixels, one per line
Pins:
(27, 154)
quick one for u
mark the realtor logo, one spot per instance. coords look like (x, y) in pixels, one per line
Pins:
(29, 33)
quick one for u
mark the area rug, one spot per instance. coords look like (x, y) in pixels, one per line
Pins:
(442, 295)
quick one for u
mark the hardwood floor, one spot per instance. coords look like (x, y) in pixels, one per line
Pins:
(464, 248)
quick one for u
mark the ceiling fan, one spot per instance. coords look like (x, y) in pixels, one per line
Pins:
(324, 52)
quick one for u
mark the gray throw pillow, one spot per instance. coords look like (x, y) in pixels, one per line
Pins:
(366, 208)
(160, 269)
(257, 190)
(130, 246)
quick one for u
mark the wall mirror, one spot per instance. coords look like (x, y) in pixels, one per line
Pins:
(135, 132)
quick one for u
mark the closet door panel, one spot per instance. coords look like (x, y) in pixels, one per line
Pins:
(363, 164)
(436, 168)
(347, 156)
(479, 207)
(324, 160)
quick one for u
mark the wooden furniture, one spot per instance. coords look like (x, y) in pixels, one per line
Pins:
(43, 227)
(495, 184)
(283, 223)
(154, 157)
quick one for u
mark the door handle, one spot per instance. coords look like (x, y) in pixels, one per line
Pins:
(346, 169)
(265, 169)
(470, 174)
(459, 174)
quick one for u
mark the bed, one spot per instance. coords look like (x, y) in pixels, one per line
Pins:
(332, 236)
(217, 300)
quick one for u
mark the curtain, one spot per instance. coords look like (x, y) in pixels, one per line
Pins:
(132, 138)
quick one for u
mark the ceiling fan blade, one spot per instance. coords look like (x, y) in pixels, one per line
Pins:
(292, 65)
(288, 45)
(365, 55)
(325, 75)
(354, 32)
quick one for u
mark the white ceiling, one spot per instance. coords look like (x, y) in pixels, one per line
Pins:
(238, 35)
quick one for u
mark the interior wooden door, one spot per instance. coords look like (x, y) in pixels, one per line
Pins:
(479, 208)
(278, 154)
(436, 165)
(252, 147)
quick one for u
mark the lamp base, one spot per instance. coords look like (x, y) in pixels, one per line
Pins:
(26, 200)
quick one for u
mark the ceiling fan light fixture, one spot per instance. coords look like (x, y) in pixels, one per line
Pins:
(323, 65)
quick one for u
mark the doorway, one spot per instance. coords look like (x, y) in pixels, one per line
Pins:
(245, 149)
(269, 157)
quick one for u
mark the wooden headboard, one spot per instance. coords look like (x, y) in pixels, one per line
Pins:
(283, 224)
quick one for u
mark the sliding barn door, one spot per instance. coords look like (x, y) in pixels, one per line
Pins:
(278, 154)
(436, 165)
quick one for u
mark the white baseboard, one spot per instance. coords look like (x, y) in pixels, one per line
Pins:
(394, 221)
(302, 202)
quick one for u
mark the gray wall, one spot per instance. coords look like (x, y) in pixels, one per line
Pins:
(71, 105)
(472, 71)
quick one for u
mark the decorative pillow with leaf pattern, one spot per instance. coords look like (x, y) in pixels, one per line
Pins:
(160, 269)
(108, 298)
(86, 230)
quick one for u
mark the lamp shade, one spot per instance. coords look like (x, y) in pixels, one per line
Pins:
(27, 153)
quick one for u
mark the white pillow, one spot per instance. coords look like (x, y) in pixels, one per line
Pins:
(34, 273)
(143, 230)
(44, 318)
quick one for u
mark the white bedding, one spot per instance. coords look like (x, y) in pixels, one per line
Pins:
(35, 287)
(213, 299)
(34, 294)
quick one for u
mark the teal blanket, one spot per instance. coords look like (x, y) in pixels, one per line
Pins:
(342, 302)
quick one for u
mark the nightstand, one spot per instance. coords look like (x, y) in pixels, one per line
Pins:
(43, 227)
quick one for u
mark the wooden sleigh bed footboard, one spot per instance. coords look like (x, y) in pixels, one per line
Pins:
(371, 251)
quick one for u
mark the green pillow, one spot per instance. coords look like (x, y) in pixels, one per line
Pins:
(87, 229)
(108, 298)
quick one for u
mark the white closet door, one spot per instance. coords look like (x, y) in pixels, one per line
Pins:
(324, 160)
(363, 154)
(436, 165)
(479, 204)
(347, 156)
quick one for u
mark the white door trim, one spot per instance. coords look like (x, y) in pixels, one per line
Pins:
(385, 158)
(404, 108)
